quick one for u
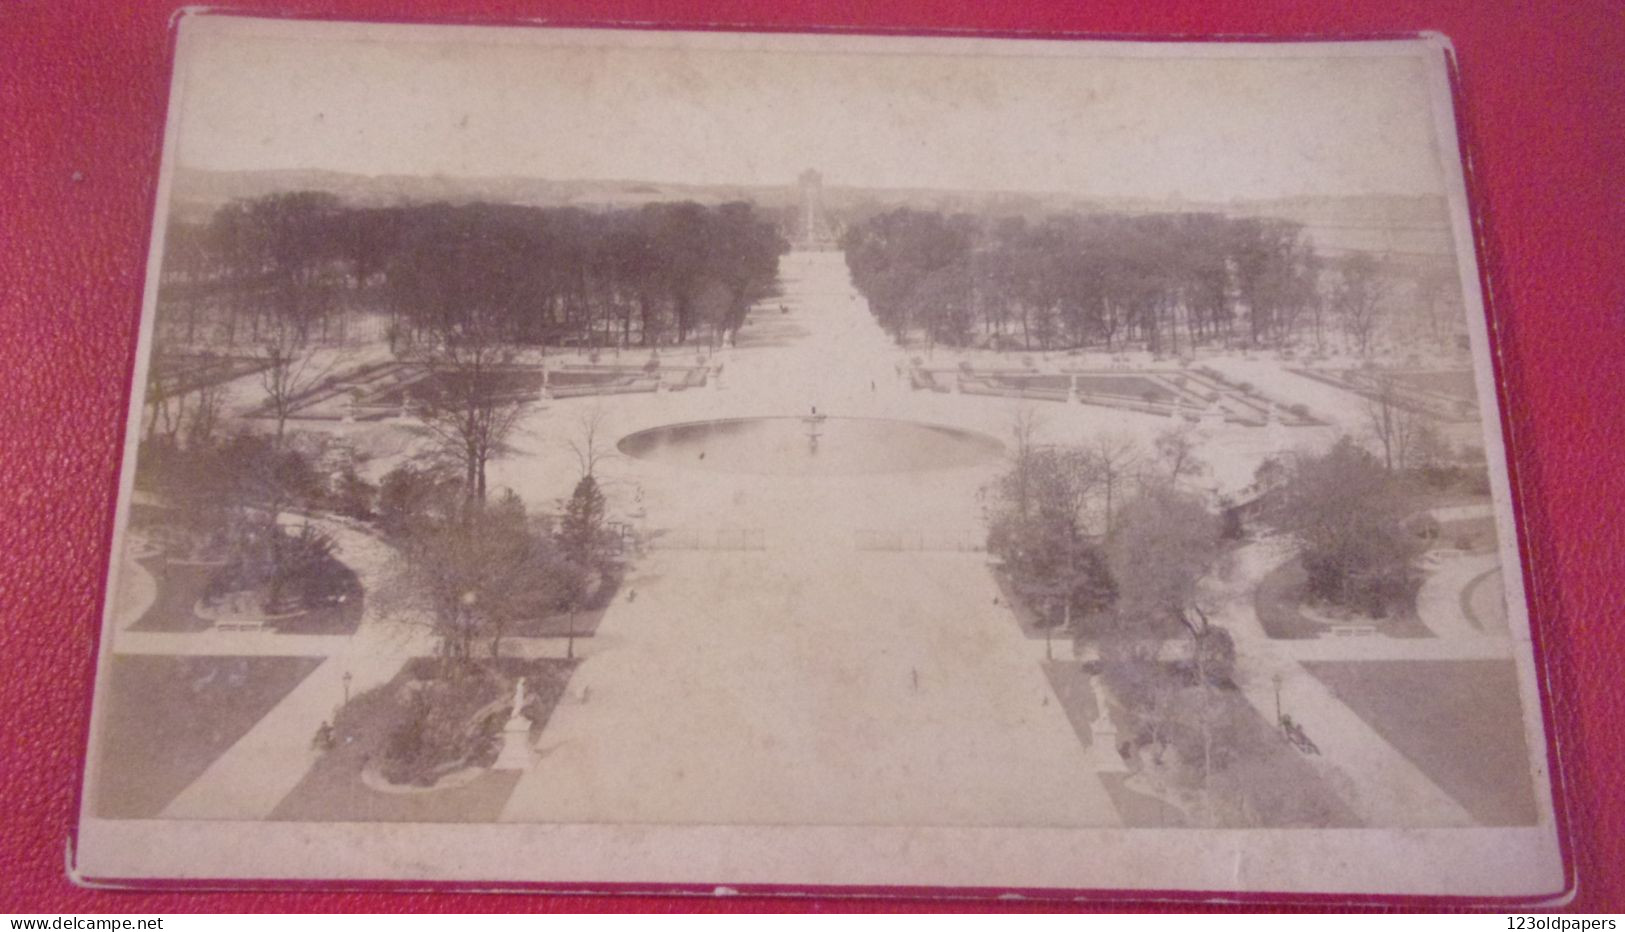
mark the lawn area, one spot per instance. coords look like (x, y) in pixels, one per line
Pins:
(338, 617)
(1070, 682)
(516, 381)
(178, 587)
(1456, 383)
(1474, 534)
(1270, 783)
(1137, 810)
(1259, 780)
(1056, 383)
(166, 719)
(1282, 591)
(1484, 602)
(1137, 388)
(1276, 603)
(1031, 625)
(1460, 722)
(181, 585)
(334, 789)
(586, 621)
(574, 377)
(182, 582)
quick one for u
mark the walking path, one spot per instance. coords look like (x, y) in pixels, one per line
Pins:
(1440, 602)
(1384, 787)
(254, 774)
(810, 682)
(825, 687)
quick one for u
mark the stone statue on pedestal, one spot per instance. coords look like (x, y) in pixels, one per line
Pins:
(516, 754)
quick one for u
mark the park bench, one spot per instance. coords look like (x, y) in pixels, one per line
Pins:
(239, 626)
(1347, 631)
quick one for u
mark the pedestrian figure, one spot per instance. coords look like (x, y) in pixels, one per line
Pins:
(871, 385)
(324, 737)
(914, 675)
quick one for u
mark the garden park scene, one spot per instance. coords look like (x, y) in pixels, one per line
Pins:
(814, 509)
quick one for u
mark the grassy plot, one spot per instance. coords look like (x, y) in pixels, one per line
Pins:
(1459, 721)
(1281, 595)
(1484, 602)
(587, 618)
(177, 589)
(1257, 780)
(1137, 810)
(166, 719)
(336, 790)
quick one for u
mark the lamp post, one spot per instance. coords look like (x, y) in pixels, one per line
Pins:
(1277, 680)
(346, 679)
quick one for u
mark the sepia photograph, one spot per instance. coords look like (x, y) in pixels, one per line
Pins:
(713, 460)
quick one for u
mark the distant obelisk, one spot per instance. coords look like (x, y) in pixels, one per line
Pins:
(812, 226)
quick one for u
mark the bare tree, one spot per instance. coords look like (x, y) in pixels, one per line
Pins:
(206, 414)
(1394, 426)
(1436, 290)
(161, 393)
(289, 370)
(1051, 563)
(471, 578)
(1164, 542)
(1017, 485)
(464, 402)
(1116, 460)
(1360, 298)
(1347, 514)
(1176, 450)
(587, 442)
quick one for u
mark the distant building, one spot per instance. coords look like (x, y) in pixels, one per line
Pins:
(813, 230)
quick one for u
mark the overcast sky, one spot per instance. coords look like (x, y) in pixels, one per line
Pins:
(1045, 117)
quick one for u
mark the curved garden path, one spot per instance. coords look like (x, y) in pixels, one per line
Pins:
(255, 773)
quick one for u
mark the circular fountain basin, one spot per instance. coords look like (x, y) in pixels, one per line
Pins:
(805, 446)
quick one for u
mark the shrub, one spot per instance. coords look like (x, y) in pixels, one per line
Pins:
(1230, 524)
(440, 733)
(353, 496)
(293, 571)
(407, 494)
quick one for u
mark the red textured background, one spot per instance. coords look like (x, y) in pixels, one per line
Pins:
(82, 97)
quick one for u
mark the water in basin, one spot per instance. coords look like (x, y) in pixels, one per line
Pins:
(805, 446)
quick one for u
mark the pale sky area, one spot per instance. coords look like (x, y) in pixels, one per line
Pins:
(1032, 117)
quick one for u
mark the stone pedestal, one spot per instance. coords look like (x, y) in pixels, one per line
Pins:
(515, 753)
(1103, 754)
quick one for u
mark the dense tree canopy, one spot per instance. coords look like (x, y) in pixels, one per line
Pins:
(1348, 515)
(551, 276)
(1166, 281)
